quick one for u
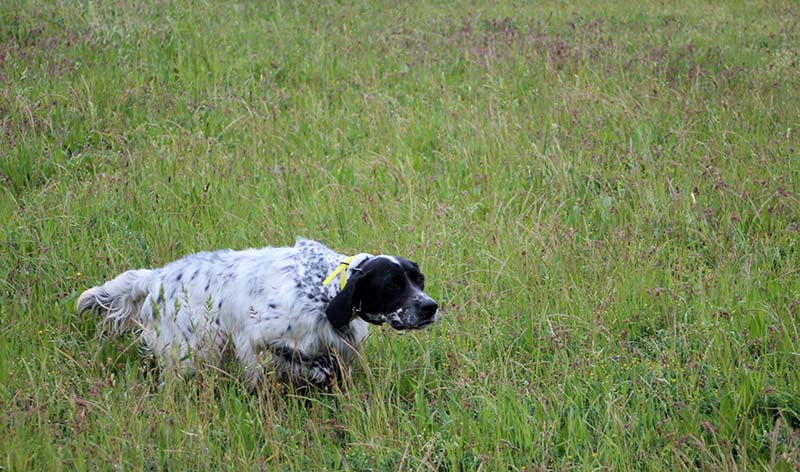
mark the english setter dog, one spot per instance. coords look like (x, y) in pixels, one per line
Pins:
(304, 308)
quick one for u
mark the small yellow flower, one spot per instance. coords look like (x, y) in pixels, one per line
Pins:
(78, 275)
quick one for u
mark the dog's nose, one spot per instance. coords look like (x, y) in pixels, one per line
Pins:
(428, 308)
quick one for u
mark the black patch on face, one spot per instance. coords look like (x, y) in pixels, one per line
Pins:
(415, 275)
(381, 290)
(384, 288)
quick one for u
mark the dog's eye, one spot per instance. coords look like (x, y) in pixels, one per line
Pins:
(421, 282)
(397, 283)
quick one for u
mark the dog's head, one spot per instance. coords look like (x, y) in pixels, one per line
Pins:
(384, 289)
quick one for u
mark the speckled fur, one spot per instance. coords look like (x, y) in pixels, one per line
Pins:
(256, 303)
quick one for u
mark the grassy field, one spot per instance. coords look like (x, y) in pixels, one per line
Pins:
(603, 196)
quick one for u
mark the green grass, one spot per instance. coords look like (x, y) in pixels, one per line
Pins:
(603, 196)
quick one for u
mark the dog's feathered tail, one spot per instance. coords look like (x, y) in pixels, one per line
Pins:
(119, 300)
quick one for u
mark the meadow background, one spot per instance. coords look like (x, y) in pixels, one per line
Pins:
(603, 195)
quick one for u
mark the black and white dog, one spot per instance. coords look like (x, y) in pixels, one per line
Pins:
(303, 308)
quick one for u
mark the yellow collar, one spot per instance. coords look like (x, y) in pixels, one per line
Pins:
(343, 269)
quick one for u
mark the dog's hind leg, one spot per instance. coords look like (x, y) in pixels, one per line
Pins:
(248, 360)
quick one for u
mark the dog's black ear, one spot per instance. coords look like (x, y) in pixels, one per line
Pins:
(340, 310)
